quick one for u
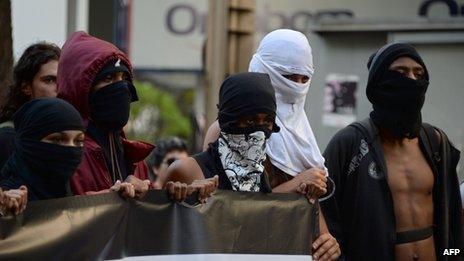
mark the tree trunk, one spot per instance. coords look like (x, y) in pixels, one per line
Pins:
(6, 48)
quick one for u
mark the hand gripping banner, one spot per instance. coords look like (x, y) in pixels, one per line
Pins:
(107, 226)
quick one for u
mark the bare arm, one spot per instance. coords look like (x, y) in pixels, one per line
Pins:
(183, 170)
(325, 246)
(185, 177)
(311, 182)
(211, 135)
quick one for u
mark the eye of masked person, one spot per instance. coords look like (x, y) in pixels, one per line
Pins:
(298, 78)
(70, 138)
(408, 67)
(109, 79)
(260, 119)
(415, 73)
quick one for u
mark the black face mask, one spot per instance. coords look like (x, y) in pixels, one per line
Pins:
(53, 163)
(44, 168)
(397, 101)
(110, 106)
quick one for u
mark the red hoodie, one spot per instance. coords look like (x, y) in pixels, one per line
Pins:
(82, 57)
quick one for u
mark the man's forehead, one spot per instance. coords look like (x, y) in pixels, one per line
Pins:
(406, 61)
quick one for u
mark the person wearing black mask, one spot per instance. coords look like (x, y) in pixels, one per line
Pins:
(397, 194)
(48, 148)
(247, 109)
(96, 78)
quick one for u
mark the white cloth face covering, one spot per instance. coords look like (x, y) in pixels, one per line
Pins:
(284, 52)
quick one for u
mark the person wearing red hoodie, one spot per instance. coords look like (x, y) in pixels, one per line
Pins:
(96, 78)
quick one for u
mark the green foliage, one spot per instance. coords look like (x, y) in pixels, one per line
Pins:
(157, 114)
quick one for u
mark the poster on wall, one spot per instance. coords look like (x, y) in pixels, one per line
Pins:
(340, 100)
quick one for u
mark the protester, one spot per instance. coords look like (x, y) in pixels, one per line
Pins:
(293, 150)
(34, 76)
(96, 78)
(295, 163)
(48, 148)
(247, 118)
(165, 153)
(397, 197)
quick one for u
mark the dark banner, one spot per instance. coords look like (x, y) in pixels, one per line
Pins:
(107, 226)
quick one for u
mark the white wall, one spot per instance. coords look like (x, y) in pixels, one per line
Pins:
(34, 21)
(155, 45)
(44, 20)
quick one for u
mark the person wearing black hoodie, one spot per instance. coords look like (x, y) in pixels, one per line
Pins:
(97, 79)
(397, 197)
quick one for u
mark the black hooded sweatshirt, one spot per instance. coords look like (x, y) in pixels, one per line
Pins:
(361, 214)
(44, 168)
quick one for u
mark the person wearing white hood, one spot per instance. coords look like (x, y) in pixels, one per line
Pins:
(295, 162)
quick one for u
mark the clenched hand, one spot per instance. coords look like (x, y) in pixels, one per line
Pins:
(14, 200)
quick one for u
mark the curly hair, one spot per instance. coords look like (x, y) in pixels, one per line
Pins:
(163, 147)
(24, 71)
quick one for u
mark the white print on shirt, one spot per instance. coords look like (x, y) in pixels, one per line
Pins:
(356, 160)
(372, 170)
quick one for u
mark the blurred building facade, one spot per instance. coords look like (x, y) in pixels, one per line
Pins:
(165, 39)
